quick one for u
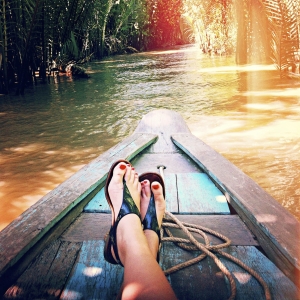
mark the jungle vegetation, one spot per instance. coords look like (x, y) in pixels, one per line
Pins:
(37, 35)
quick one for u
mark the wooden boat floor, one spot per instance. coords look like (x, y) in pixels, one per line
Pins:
(73, 266)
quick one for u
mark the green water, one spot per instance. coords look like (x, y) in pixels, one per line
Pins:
(247, 113)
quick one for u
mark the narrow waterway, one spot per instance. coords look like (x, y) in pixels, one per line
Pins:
(247, 113)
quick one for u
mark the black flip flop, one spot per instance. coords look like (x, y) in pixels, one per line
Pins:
(128, 207)
(150, 220)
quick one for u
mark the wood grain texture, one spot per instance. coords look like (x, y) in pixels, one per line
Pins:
(197, 194)
(277, 230)
(163, 123)
(280, 286)
(100, 205)
(94, 226)
(229, 225)
(26, 230)
(171, 193)
(88, 226)
(14, 271)
(174, 163)
(205, 281)
(201, 281)
(47, 275)
(92, 277)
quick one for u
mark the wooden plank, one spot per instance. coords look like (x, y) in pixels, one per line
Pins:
(174, 163)
(204, 280)
(17, 238)
(14, 271)
(201, 281)
(230, 226)
(162, 122)
(197, 194)
(47, 275)
(88, 226)
(100, 205)
(171, 193)
(92, 277)
(280, 286)
(276, 229)
(94, 226)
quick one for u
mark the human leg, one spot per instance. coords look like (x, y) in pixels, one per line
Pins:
(143, 278)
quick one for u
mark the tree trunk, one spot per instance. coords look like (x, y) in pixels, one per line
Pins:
(241, 46)
(3, 50)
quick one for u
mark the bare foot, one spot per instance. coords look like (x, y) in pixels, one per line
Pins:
(115, 191)
(143, 277)
(116, 186)
(160, 206)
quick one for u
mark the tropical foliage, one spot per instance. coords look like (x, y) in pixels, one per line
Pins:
(256, 30)
(269, 31)
(164, 22)
(36, 33)
(213, 24)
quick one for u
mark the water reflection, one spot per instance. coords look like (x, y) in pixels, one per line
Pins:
(248, 114)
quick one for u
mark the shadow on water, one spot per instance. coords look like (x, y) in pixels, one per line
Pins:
(246, 113)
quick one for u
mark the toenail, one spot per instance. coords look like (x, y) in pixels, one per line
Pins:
(122, 167)
(155, 186)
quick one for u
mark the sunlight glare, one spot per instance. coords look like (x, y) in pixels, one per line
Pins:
(281, 93)
(92, 271)
(242, 278)
(71, 295)
(221, 199)
(245, 68)
(266, 218)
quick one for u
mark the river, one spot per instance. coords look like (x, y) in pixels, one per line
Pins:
(247, 113)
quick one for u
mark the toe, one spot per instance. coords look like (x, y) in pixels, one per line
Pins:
(146, 190)
(118, 173)
(145, 197)
(157, 191)
(160, 202)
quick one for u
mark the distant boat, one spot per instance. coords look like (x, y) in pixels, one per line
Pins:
(54, 250)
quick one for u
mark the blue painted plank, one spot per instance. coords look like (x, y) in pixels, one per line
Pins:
(200, 281)
(206, 279)
(280, 286)
(197, 194)
(171, 193)
(92, 277)
(98, 204)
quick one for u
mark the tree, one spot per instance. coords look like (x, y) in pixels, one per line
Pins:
(214, 24)
(164, 22)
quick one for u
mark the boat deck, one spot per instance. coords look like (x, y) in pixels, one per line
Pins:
(72, 265)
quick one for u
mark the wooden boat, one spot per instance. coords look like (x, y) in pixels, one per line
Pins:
(54, 250)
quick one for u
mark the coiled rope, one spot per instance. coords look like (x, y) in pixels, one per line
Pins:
(170, 221)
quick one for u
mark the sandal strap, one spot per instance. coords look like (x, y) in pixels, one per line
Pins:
(128, 207)
(150, 220)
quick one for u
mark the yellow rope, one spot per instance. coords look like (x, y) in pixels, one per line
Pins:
(192, 244)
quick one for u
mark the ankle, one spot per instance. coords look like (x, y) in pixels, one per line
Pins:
(153, 241)
(129, 234)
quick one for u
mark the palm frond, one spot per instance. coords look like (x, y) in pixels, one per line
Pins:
(284, 30)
